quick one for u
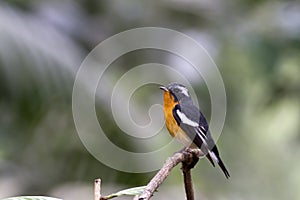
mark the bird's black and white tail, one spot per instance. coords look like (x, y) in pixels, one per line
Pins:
(214, 155)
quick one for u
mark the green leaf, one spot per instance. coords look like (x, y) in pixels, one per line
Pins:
(31, 198)
(131, 192)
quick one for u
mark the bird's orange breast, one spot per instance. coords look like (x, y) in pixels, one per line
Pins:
(171, 124)
(169, 104)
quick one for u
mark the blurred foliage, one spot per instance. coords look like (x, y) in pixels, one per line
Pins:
(256, 45)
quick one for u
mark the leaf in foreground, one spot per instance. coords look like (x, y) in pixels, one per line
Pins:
(131, 192)
(32, 198)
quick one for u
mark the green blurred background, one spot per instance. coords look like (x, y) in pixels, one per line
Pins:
(255, 44)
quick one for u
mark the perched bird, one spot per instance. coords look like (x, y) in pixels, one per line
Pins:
(187, 124)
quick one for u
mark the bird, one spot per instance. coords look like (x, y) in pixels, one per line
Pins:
(187, 123)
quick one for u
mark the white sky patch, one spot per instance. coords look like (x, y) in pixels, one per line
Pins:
(186, 120)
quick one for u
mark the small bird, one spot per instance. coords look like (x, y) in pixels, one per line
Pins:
(187, 124)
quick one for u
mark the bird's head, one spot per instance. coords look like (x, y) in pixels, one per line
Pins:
(178, 91)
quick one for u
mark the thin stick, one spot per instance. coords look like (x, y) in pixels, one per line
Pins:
(97, 189)
(188, 184)
(187, 165)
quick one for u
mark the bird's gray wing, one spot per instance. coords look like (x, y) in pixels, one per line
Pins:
(193, 123)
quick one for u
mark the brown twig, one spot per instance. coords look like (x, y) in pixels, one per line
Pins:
(189, 158)
(187, 165)
(188, 185)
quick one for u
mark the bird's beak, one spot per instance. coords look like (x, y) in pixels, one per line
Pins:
(163, 88)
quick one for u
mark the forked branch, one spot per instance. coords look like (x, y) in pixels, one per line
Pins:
(189, 158)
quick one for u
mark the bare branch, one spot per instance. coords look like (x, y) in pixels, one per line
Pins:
(187, 165)
(189, 158)
(188, 185)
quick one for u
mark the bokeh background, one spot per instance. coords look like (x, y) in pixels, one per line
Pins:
(255, 44)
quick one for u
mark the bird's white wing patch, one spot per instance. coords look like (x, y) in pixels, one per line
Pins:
(213, 155)
(202, 136)
(184, 119)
